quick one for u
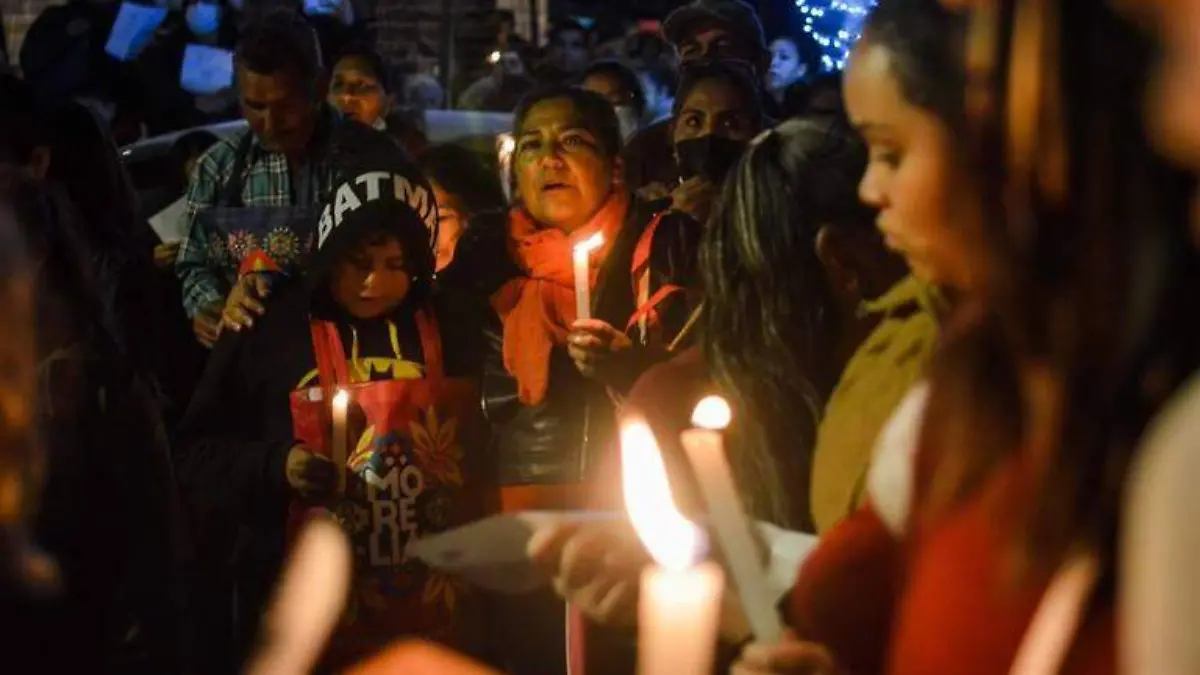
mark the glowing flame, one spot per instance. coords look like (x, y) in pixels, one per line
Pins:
(583, 248)
(494, 57)
(341, 400)
(712, 412)
(674, 541)
(507, 145)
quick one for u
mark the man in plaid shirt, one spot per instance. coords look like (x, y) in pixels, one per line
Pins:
(281, 164)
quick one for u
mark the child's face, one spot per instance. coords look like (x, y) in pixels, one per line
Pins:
(371, 280)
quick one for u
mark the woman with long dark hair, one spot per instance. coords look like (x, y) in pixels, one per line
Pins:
(1043, 385)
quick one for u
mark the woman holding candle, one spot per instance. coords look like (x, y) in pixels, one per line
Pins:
(718, 111)
(1009, 530)
(365, 321)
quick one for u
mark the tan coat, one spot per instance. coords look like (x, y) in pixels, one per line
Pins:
(886, 365)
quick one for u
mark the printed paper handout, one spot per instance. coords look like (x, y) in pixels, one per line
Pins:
(133, 29)
(206, 70)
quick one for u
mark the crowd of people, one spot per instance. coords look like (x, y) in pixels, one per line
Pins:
(944, 296)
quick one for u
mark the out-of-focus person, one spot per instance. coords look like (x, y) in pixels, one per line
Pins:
(794, 60)
(703, 29)
(468, 196)
(359, 87)
(502, 88)
(620, 85)
(252, 199)
(567, 54)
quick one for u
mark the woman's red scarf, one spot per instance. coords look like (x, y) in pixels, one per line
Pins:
(538, 308)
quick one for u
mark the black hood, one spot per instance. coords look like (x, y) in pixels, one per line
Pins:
(378, 190)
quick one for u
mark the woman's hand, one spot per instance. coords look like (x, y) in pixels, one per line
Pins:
(790, 657)
(595, 567)
(594, 344)
(165, 255)
(244, 301)
(694, 197)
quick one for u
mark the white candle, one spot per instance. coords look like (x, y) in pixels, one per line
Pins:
(679, 607)
(583, 290)
(706, 452)
(341, 401)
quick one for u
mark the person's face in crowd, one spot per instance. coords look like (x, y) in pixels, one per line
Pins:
(710, 40)
(786, 67)
(563, 175)
(371, 280)
(281, 110)
(568, 51)
(715, 107)
(451, 224)
(356, 91)
(927, 210)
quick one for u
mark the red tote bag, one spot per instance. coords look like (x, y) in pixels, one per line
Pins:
(414, 447)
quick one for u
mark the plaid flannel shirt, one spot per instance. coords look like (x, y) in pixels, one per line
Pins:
(266, 181)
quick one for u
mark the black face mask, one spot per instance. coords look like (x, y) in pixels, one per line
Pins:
(710, 156)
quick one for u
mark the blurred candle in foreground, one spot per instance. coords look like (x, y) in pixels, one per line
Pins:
(341, 401)
(679, 607)
(705, 449)
(583, 288)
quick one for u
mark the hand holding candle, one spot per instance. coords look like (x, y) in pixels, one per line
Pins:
(679, 608)
(583, 286)
(706, 452)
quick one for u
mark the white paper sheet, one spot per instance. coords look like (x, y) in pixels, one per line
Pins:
(170, 224)
(133, 29)
(206, 70)
(490, 553)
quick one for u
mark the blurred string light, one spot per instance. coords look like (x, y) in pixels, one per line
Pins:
(835, 25)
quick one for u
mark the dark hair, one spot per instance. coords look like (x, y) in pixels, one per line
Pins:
(769, 313)
(85, 162)
(822, 95)
(597, 113)
(927, 45)
(373, 61)
(1090, 279)
(460, 172)
(625, 76)
(46, 225)
(807, 50)
(737, 73)
(282, 41)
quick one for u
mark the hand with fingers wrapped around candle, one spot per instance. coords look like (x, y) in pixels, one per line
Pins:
(789, 657)
(597, 567)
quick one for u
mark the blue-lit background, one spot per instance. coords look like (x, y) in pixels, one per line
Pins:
(834, 25)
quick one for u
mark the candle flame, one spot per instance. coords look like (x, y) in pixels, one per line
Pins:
(673, 541)
(507, 145)
(712, 412)
(590, 244)
(341, 400)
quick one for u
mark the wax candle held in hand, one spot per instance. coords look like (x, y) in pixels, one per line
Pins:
(583, 289)
(679, 607)
(705, 449)
(341, 402)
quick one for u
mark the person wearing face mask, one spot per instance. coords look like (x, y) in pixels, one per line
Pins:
(701, 30)
(716, 115)
(620, 85)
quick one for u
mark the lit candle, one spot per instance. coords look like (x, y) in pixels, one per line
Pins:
(679, 607)
(706, 452)
(583, 290)
(341, 401)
